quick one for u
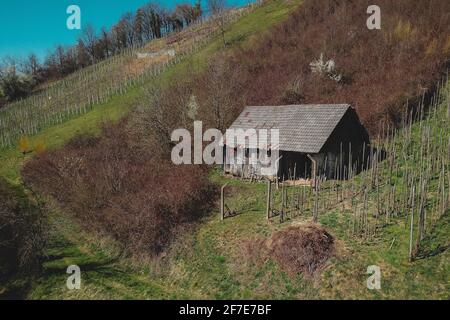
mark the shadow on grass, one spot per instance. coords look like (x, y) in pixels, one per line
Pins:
(85, 267)
(423, 254)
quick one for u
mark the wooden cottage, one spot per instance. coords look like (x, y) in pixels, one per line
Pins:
(322, 139)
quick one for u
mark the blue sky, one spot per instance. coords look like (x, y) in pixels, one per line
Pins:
(38, 25)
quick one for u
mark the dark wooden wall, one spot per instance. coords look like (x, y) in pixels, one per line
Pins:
(343, 148)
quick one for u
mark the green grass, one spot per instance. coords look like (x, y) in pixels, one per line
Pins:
(201, 266)
(210, 262)
(11, 159)
(238, 33)
(105, 275)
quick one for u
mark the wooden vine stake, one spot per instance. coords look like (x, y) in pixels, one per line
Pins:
(411, 232)
(269, 195)
(222, 201)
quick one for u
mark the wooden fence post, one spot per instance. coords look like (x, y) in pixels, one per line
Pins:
(269, 194)
(411, 231)
(282, 202)
(222, 201)
(316, 191)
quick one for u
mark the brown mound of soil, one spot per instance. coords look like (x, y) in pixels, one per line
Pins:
(302, 249)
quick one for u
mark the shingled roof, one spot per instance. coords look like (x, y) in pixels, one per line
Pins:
(302, 128)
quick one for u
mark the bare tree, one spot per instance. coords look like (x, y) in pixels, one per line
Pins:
(83, 59)
(60, 57)
(153, 21)
(220, 101)
(119, 36)
(138, 26)
(217, 9)
(32, 66)
(89, 39)
(197, 11)
(106, 43)
(187, 13)
(128, 28)
(14, 85)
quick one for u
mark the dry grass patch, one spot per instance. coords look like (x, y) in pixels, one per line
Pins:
(299, 249)
(302, 249)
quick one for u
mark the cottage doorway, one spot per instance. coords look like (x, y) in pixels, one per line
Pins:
(295, 166)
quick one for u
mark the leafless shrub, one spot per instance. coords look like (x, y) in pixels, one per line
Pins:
(22, 233)
(115, 185)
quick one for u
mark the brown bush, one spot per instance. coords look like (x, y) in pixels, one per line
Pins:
(301, 249)
(22, 233)
(116, 184)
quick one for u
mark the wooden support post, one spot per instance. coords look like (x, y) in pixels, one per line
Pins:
(282, 203)
(314, 181)
(222, 201)
(295, 173)
(269, 195)
(277, 170)
(225, 159)
(314, 170)
(411, 231)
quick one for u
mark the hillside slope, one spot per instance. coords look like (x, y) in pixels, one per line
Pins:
(81, 91)
(221, 259)
(380, 72)
(368, 216)
(69, 243)
(55, 133)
